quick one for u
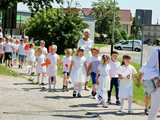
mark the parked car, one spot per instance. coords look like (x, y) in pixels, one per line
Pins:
(135, 45)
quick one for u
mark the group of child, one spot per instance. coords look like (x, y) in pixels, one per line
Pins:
(103, 70)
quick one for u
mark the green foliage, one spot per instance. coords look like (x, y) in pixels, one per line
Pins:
(56, 26)
(34, 5)
(134, 29)
(103, 12)
(124, 35)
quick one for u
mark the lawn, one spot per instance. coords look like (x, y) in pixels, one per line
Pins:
(100, 45)
(7, 71)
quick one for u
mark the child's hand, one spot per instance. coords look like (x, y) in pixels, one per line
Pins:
(121, 77)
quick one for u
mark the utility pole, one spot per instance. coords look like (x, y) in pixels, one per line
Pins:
(113, 26)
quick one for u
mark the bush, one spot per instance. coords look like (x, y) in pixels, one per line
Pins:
(56, 26)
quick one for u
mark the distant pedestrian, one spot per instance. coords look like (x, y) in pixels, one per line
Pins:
(126, 75)
(31, 58)
(1, 50)
(44, 49)
(103, 80)
(8, 49)
(21, 53)
(78, 72)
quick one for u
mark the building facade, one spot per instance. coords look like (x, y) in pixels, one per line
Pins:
(143, 17)
(126, 20)
(151, 33)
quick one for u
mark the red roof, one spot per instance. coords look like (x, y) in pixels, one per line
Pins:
(87, 11)
(125, 15)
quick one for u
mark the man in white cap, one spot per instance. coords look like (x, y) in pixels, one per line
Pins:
(87, 44)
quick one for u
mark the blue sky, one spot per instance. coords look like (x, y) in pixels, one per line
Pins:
(125, 4)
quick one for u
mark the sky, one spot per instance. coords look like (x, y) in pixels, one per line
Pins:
(124, 4)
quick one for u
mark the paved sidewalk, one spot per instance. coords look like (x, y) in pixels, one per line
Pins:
(22, 100)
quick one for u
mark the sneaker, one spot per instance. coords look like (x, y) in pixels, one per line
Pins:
(146, 112)
(105, 105)
(109, 102)
(93, 93)
(120, 111)
(118, 102)
(79, 95)
(74, 94)
(42, 84)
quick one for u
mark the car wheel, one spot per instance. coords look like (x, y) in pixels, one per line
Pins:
(119, 48)
(137, 50)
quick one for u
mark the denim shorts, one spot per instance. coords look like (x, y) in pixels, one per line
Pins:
(22, 58)
(93, 77)
(149, 87)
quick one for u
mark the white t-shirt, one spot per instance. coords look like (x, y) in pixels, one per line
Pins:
(66, 63)
(126, 71)
(147, 72)
(31, 55)
(41, 59)
(114, 68)
(94, 61)
(8, 47)
(44, 50)
(21, 50)
(87, 45)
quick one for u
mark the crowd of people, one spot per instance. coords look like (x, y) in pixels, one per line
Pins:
(79, 66)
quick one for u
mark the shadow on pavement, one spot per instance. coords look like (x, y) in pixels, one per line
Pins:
(58, 97)
(77, 116)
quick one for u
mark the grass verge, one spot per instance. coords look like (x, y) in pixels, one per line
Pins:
(6, 71)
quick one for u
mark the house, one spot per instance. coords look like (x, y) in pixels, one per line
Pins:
(126, 20)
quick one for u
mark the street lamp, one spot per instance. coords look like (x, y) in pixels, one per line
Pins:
(113, 26)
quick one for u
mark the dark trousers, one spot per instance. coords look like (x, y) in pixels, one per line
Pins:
(115, 83)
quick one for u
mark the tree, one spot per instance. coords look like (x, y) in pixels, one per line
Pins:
(34, 5)
(134, 29)
(103, 12)
(56, 26)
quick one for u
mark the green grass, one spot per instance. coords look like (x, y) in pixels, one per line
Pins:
(6, 71)
(100, 45)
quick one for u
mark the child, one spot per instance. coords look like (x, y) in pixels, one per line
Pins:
(78, 72)
(31, 59)
(92, 68)
(1, 50)
(8, 49)
(21, 53)
(40, 68)
(66, 65)
(53, 59)
(144, 71)
(103, 80)
(126, 74)
(114, 77)
(14, 54)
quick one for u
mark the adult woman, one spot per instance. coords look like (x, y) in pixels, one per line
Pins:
(87, 44)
